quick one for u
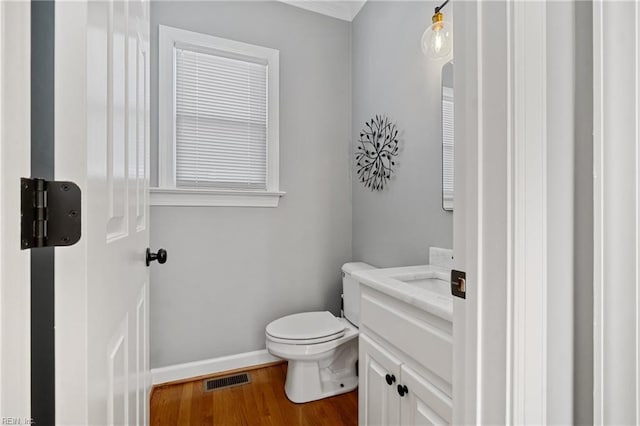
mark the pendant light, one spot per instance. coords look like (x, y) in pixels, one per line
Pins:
(437, 40)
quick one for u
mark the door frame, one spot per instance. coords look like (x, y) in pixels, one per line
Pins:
(15, 284)
(501, 213)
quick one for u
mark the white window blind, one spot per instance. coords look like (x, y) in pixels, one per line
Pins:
(221, 120)
(447, 148)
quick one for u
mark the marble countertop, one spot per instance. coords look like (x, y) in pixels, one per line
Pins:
(396, 282)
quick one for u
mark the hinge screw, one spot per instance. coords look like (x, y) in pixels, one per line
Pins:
(64, 187)
(73, 213)
(65, 239)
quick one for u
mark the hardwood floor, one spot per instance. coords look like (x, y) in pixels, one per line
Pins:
(261, 402)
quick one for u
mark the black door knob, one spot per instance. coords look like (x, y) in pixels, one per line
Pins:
(160, 256)
(402, 390)
(390, 378)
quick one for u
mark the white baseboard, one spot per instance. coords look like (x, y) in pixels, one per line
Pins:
(188, 370)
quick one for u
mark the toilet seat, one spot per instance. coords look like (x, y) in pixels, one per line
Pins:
(291, 351)
(306, 328)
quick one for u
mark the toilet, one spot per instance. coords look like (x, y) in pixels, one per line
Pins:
(321, 349)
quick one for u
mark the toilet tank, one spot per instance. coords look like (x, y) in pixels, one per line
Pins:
(351, 291)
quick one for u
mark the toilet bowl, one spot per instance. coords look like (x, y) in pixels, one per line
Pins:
(321, 349)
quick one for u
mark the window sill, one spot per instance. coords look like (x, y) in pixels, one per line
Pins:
(213, 198)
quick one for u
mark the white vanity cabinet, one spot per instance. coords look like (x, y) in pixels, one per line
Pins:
(405, 363)
(423, 403)
(378, 379)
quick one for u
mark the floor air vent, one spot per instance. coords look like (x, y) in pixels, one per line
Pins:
(227, 381)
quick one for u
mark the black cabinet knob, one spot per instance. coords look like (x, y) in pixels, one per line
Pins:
(390, 378)
(402, 390)
(160, 256)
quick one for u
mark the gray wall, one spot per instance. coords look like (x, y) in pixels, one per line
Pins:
(391, 76)
(232, 270)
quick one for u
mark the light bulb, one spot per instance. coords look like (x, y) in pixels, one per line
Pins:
(437, 40)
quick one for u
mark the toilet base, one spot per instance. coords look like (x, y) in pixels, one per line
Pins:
(310, 380)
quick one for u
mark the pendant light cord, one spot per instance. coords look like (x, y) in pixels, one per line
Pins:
(441, 6)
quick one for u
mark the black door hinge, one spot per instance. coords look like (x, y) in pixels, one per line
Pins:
(50, 214)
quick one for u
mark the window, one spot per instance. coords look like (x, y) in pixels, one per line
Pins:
(218, 122)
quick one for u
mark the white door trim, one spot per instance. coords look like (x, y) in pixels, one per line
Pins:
(15, 283)
(500, 217)
(616, 161)
(527, 343)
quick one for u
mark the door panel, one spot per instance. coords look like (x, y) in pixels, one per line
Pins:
(117, 124)
(118, 403)
(141, 152)
(141, 366)
(103, 68)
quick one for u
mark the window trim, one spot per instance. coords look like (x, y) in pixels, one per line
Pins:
(167, 193)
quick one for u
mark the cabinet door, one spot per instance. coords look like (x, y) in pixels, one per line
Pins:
(423, 403)
(379, 402)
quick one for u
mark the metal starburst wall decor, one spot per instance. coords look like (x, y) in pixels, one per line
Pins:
(378, 146)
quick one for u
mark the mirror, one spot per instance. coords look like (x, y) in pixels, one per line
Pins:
(447, 137)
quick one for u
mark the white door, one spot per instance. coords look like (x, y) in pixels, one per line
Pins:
(102, 144)
(379, 377)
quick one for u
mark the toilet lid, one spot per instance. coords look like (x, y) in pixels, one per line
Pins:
(306, 326)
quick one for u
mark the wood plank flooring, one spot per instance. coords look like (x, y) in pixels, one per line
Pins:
(261, 402)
